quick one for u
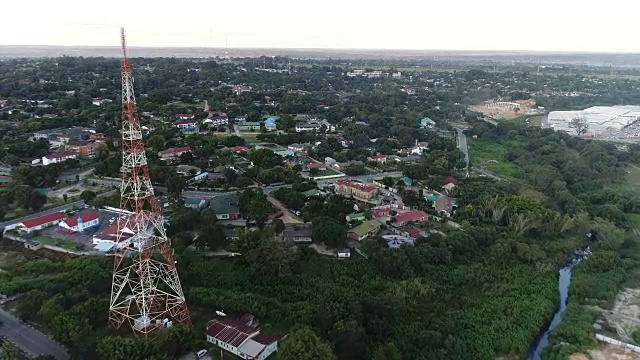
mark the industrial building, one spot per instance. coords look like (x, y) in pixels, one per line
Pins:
(600, 120)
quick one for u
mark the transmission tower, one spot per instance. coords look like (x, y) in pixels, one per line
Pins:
(146, 289)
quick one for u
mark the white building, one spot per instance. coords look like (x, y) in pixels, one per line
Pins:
(59, 157)
(81, 222)
(599, 119)
(303, 127)
(241, 339)
(41, 222)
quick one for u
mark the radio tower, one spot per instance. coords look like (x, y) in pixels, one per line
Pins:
(145, 289)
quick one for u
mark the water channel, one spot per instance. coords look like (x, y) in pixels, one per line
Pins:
(563, 288)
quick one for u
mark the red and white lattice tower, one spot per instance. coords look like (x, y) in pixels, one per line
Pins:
(146, 289)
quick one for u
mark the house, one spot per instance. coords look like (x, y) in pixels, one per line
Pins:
(248, 125)
(217, 119)
(270, 122)
(41, 222)
(443, 206)
(240, 339)
(173, 153)
(195, 203)
(185, 116)
(449, 183)
(297, 233)
(344, 253)
(314, 165)
(410, 231)
(418, 148)
(82, 147)
(240, 149)
(114, 234)
(5, 180)
(185, 125)
(395, 241)
(239, 89)
(427, 123)
(81, 222)
(356, 190)
(226, 207)
(381, 159)
(59, 157)
(298, 147)
(304, 127)
(403, 219)
(407, 181)
(344, 165)
(365, 230)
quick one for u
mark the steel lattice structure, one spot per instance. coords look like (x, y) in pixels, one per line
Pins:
(145, 288)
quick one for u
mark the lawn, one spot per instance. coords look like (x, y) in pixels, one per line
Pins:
(65, 244)
(327, 172)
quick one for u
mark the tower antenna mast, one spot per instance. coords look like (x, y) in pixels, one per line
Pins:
(145, 289)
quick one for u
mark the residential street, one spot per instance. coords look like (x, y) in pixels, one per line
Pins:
(462, 145)
(32, 341)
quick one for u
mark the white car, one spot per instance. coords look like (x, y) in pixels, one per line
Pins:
(201, 353)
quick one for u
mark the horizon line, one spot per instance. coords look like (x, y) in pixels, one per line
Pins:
(522, 51)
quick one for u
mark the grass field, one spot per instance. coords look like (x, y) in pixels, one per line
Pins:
(534, 120)
(65, 244)
(490, 154)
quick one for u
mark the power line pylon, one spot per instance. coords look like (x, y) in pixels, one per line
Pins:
(145, 288)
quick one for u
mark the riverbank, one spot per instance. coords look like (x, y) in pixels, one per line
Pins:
(595, 283)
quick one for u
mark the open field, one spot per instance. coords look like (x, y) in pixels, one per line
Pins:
(490, 154)
(534, 120)
(65, 244)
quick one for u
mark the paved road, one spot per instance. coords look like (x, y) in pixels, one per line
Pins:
(462, 145)
(287, 216)
(117, 183)
(31, 341)
(79, 203)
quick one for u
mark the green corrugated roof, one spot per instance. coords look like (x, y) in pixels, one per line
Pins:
(365, 227)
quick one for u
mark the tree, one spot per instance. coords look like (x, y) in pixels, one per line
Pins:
(304, 344)
(88, 196)
(65, 197)
(314, 172)
(124, 348)
(177, 340)
(387, 352)
(579, 125)
(10, 351)
(102, 152)
(327, 230)
(265, 158)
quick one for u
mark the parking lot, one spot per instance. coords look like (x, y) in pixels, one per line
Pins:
(86, 237)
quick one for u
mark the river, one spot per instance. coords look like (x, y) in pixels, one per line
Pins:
(563, 288)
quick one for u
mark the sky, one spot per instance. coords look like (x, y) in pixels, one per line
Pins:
(546, 25)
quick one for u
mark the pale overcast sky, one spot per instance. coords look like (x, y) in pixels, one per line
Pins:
(554, 25)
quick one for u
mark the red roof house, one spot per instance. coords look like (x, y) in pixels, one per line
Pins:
(411, 216)
(244, 341)
(81, 221)
(41, 222)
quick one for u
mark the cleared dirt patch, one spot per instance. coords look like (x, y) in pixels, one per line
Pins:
(613, 352)
(578, 357)
(624, 316)
(506, 113)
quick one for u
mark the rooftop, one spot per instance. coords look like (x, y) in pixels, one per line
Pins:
(411, 216)
(365, 227)
(356, 185)
(45, 219)
(225, 204)
(85, 217)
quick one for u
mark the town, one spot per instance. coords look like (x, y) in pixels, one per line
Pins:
(332, 204)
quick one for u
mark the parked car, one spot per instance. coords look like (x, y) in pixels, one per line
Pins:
(201, 353)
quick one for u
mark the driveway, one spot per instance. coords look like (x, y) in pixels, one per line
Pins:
(287, 217)
(31, 341)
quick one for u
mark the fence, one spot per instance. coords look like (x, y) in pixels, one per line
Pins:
(618, 342)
